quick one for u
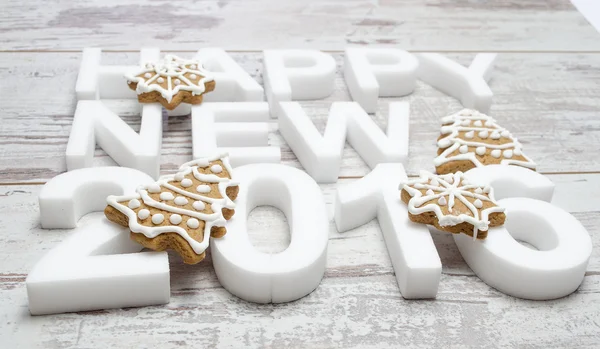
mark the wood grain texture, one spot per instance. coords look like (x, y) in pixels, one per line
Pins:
(357, 305)
(431, 25)
(548, 101)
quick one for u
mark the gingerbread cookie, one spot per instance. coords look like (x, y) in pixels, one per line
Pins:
(181, 211)
(452, 204)
(171, 81)
(471, 139)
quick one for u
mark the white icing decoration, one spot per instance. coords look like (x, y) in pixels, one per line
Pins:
(186, 183)
(168, 182)
(517, 152)
(154, 188)
(193, 76)
(181, 201)
(147, 75)
(466, 122)
(166, 196)
(495, 135)
(143, 213)
(175, 219)
(420, 203)
(174, 68)
(456, 136)
(443, 143)
(429, 192)
(508, 153)
(434, 182)
(158, 218)
(199, 205)
(193, 223)
(463, 149)
(178, 177)
(216, 169)
(478, 203)
(134, 203)
(478, 123)
(203, 188)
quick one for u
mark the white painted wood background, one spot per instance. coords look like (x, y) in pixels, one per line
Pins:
(546, 86)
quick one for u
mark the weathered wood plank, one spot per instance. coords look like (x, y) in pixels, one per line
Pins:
(433, 25)
(357, 305)
(362, 312)
(549, 101)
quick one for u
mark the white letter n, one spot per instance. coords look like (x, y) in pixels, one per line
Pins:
(95, 124)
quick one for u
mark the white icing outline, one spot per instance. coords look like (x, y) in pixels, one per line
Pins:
(213, 219)
(452, 125)
(449, 185)
(170, 67)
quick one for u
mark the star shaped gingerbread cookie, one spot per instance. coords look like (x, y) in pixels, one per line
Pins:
(171, 81)
(451, 203)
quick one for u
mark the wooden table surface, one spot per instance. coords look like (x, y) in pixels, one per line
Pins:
(546, 90)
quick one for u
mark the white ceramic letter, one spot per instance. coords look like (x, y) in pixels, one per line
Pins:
(374, 72)
(97, 266)
(288, 275)
(291, 75)
(414, 257)
(321, 156)
(240, 129)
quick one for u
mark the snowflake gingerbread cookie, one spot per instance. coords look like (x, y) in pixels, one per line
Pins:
(452, 204)
(181, 211)
(471, 139)
(171, 81)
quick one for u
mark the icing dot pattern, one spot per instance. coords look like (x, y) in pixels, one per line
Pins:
(143, 214)
(173, 205)
(181, 201)
(175, 219)
(203, 188)
(134, 203)
(158, 218)
(471, 135)
(186, 183)
(199, 205)
(193, 223)
(166, 196)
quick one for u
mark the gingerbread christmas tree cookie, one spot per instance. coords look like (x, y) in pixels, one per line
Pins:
(471, 139)
(171, 81)
(452, 204)
(181, 211)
